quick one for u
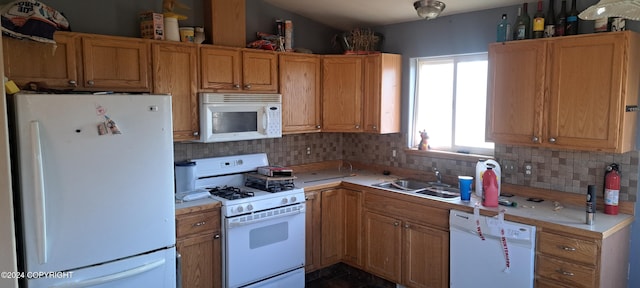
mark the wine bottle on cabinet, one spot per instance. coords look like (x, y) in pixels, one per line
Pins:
(518, 26)
(561, 20)
(572, 20)
(522, 28)
(527, 21)
(503, 30)
(538, 22)
(549, 22)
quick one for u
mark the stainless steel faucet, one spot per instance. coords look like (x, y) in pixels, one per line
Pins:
(438, 175)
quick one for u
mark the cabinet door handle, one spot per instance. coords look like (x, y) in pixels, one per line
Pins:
(317, 126)
(396, 224)
(535, 139)
(565, 273)
(248, 86)
(196, 133)
(73, 83)
(552, 140)
(357, 126)
(217, 236)
(199, 224)
(407, 226)
(567, 248)
(375, 127)
(91, 83)
(236, 86)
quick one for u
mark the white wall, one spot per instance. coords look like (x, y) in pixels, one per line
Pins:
(7, 240)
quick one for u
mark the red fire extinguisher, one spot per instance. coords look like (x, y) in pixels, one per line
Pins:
(611, 189)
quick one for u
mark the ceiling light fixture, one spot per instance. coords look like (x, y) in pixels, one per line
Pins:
(629, 9)
(428, 9)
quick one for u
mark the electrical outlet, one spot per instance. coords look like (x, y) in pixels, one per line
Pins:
(308, 150)
(528, 168)
(508, 166)
(393, 153)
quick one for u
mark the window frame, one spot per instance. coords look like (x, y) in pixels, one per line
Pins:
(413, 136)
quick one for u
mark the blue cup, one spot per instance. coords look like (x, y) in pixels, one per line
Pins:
(464, 184)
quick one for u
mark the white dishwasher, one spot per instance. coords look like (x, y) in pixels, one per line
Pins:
(480, 256)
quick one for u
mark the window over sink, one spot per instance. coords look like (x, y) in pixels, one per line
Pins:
(450, 104)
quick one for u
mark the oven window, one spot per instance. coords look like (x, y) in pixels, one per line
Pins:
(268, 235)
(230, 122)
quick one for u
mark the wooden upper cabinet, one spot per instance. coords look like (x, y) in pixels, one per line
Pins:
(175, 73)
(260, 71)
(220, 68)
(115, 63)
(515, 95)
(29, 61)
(225, 22)
(382, 80)
(572, 96)
(235, 70)
(342, 94)
(300, 89)
(81, 61)
(592, 80)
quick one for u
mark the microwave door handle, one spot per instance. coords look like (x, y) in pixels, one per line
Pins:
(268, 119)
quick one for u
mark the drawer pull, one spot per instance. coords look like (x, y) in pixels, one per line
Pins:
(567, 248)
(199, 223)
(217, 236)
(565, 273)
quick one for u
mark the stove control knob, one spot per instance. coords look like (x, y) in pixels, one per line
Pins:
(284, 201)
(293, 199)
(239, 209)
(249, 207)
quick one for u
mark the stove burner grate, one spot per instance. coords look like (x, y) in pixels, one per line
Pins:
(269, 184)
(230, 193)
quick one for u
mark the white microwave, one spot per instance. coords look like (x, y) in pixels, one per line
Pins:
(235, 117)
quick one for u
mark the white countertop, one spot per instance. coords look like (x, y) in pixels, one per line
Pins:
(568, 215)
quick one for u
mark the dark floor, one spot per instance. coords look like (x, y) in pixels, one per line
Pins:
(344, 276)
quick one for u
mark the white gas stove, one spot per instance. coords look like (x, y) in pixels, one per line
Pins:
(259, 224)
(226, 178)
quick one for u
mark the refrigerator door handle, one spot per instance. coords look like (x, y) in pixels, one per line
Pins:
(113, 277)
(39, 192)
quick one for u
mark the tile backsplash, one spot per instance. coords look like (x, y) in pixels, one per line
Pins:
(561, 170)
(288, 150)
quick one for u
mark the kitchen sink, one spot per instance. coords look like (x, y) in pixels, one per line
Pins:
(442, 192)
(425, 188)
(403, 185)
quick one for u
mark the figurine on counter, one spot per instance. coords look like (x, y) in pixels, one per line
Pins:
(424, 145)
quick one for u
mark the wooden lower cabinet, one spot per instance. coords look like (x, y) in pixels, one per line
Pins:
(402, 245)
(201, 260)
(567, 260)
(405, 252)
(426, 256)
(332, 227)
(312, 235)
(383, 246)
(199, 244)
(352, 227)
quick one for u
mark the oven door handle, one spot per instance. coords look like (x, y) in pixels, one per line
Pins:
(231, 225)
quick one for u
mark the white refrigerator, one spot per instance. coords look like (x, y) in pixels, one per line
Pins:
(95, 191)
